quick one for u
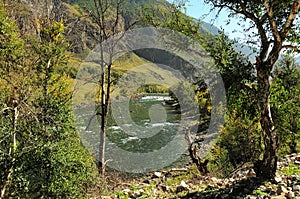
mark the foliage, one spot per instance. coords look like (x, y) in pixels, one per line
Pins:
(234, 66)
(41, 154)
(285, 102)
(170, 16)
(291, 170)
(204, 101)
(241, 138)
(239, 141)
(259, 192)
(152, 88)
(241, 135)
(219, 164)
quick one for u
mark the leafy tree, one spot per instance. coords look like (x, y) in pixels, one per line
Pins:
(11, 54)
(41, 154)
(275, 22)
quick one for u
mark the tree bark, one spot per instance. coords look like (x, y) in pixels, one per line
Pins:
(103, 114)
(266, 168)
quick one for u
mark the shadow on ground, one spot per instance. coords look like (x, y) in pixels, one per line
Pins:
(239, 189)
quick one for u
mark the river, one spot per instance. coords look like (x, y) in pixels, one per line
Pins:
(152, 125)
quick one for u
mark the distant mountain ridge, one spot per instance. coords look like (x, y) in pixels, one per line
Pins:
(80, 31)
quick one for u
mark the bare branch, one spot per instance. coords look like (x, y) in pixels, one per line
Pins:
(294, 48)
(33, 113)
(7, 108)
(90, 121)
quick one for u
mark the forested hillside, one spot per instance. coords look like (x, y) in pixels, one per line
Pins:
(135, 99)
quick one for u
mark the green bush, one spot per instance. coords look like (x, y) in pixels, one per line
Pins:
(239, 141)
(285, 100)
(41, 153)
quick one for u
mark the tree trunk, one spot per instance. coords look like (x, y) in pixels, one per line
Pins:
(266, 168)
(102, 145)
(201, 165)
(103, 117)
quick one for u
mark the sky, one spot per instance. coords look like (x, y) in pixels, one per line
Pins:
(199, 10)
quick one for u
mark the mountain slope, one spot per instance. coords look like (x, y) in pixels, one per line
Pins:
(80, 31)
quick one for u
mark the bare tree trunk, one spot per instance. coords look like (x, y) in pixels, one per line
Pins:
(103, 116)
(102, 144)
(266, 168)
(107, 27)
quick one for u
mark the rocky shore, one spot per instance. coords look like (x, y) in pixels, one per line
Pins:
(188, 183)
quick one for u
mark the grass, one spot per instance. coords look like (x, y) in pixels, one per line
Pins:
(129, 61)
(131, 73)
(259, 192)
(183, 176)
(121, 195)
(292, 169)
(73, 10)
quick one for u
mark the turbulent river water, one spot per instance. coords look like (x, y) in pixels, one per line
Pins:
(149, 115)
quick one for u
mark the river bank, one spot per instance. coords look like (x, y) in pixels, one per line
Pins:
(188, 183)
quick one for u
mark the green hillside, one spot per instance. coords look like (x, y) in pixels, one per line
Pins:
(138, 70)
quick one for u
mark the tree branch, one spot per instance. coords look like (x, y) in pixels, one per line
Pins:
(293, 14)
(273, 24)
(257, 21)
(33, 113)
(295, 48)
(263, 18)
